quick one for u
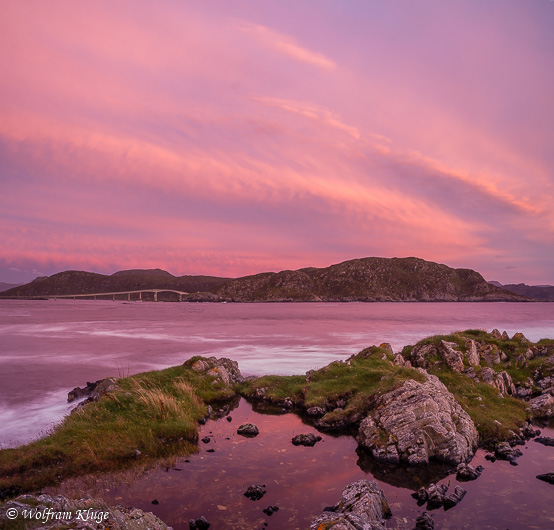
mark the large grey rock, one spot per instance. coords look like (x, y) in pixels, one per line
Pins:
(421, 354)
(472, 353)
(84, 514)
(418, 422)
(93, 391)
(362, 506)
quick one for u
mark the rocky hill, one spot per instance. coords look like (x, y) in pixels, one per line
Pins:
(537, 292)
(81, 282)
(364, 280)
(368, 280)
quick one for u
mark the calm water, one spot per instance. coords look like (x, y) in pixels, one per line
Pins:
(49, 347)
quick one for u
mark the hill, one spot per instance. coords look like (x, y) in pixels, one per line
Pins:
(364, 280)
(537, 292)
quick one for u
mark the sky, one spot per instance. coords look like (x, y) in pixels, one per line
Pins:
(233, 137)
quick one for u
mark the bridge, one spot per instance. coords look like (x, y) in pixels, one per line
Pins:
(118, 293)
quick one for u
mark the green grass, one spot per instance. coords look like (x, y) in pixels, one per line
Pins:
(155, 413)
(484, 405)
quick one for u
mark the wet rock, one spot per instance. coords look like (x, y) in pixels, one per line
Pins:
(93, 391)
(255, 492)
(528, 431)
(454, 498)
(308, 440)
(206, 439)
(418, 422)
(270, 510)
(199, 524)
(451, 355)
(105, 517)
(504, 451)
(363, 506)
(424, 522)
(542, 406)
(155, 502)
(547, 477)
(229, 418)
(490, 458)
(248, 429)
(436, 496)
(466, 472)
(545, 440)
(315, 411)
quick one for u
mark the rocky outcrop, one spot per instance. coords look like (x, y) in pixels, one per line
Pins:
(223, 369)
(504, 451)
(453, 357)
(500, 380)
(542, 406)
(93, 391)
(74, 513)
(436, 496)
(421, 355)
(363, 506)
(418, 422)
(466, 472)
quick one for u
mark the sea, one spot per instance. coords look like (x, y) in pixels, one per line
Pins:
(48, 347)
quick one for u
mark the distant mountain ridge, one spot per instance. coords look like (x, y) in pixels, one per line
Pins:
(363, 280)
(538, 292)
(5, 286)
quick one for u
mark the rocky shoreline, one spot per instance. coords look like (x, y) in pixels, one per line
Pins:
(436, 401)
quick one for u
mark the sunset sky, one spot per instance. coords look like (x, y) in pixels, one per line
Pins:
(238, 136)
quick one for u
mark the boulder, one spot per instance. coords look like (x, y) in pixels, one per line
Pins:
(547, 477)
(466, 472)
(453, 357)
(399, 360)
(504, 451)
(363, 506)
(454, 498)
(65, 514)
(424, 522)
(472, 353)
(307, 440)
(496, 334)
(248, 429)
(315, 411)
(199, 524)
(255, 492)
(545, 440)
(222, 369)
(93, 391)
(500, 380)
(386, 346)
(490, 353)
(418, 422)
(421, 354)
(542, 406)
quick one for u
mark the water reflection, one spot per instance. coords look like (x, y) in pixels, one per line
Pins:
(301, 481)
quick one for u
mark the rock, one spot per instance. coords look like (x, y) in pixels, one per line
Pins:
(528, 431)
(454, 498)
(545, 440)
(308, 440)
(523, 392)
(503, 357)
(93, 391)
(505, 336)
(436, 496)
(206, 439)
(288, 404)
(363, 506)
(490, 353)
(466, 472)
(99, 516)
(542, 406)
(229, 418)
(255, 492)
(451, 356)
(399, 360)
(496, 334)
(520, 337)
(421, 354)
(424, 522)
(386, 346)
(547, 477)
(315, 411)
(471, 353)
(529, 354)
(270, 510)
(223, 369)
(199, 524)
(418, 422)
(248, 429)
(504, 451)
(500, 380)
